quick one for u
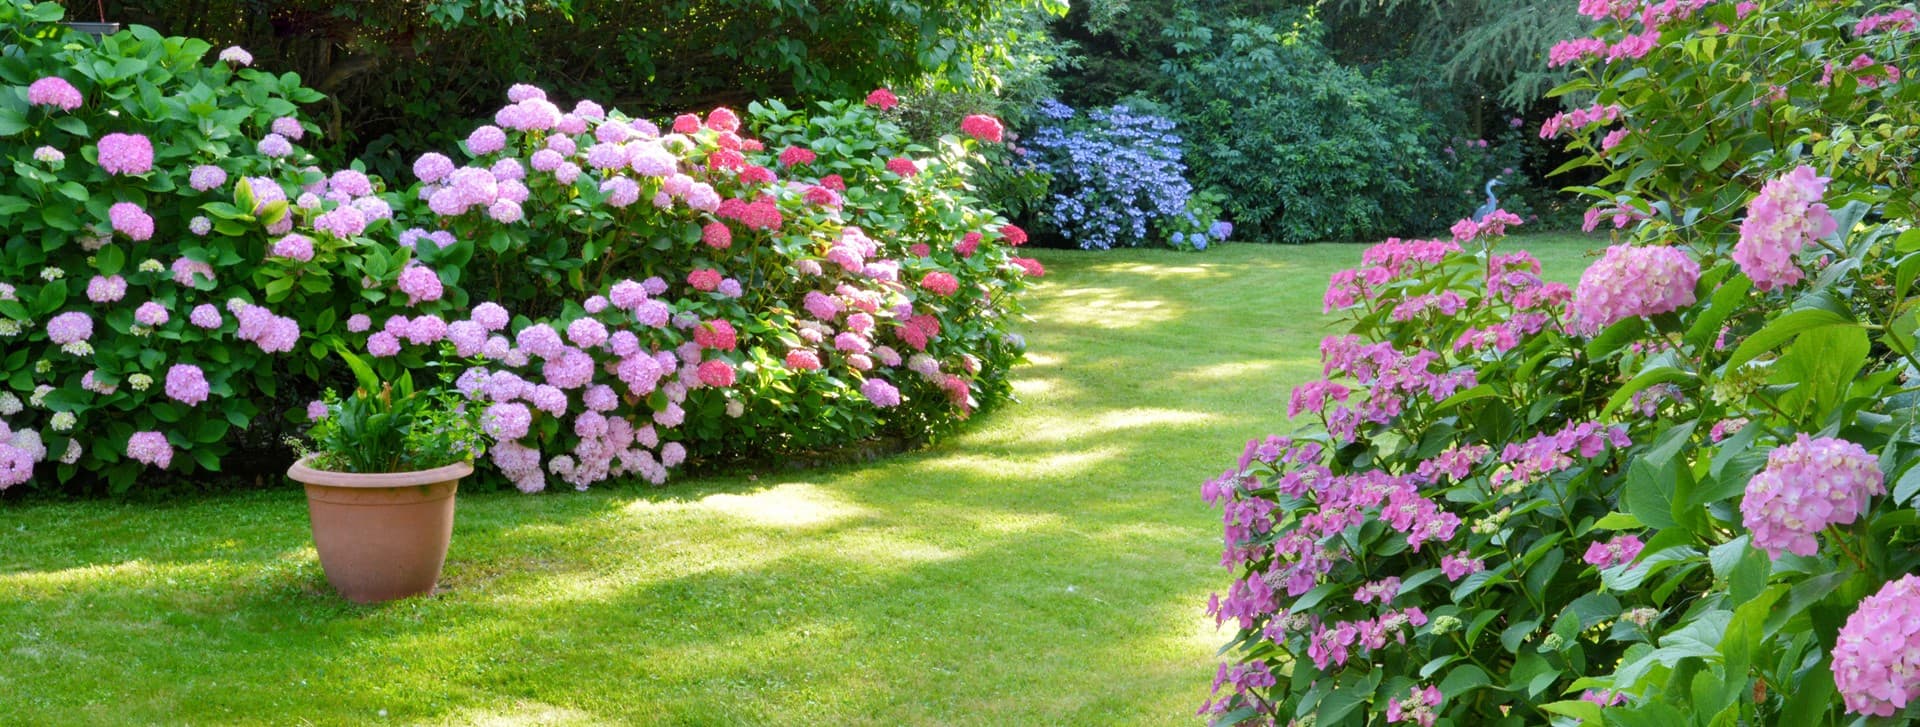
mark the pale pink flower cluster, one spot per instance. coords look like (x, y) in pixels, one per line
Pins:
(1631, 281)
(1783, 219)
(1806, 486)
(1876, 660)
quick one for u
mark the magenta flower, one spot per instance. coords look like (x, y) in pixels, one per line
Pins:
(1806, 486)
(882, 99)
(206, 177)
(508, 421)
(1620, 550)
(982, 127)
(56, 92)
(151, 314)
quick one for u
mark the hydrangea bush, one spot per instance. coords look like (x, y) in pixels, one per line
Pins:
(1118, 180)
(616, 295)
(1681, 491)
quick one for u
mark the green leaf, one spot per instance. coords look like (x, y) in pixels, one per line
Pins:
(1587, 712)
(1649, 494)
(1782, 329)
(1463, 679)
(1908, 486)
(1616, 337)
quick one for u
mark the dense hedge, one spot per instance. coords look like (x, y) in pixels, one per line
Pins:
(619, 296)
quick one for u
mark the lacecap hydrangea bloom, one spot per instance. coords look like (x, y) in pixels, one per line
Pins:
(1633, 281)
(1876, 661)
(1786, 217)
(1806, 486)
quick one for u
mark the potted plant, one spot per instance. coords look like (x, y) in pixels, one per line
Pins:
(380, 480)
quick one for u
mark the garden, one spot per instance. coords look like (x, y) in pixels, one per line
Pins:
(1133, 362)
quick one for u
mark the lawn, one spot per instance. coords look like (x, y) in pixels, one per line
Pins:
(1049, 565)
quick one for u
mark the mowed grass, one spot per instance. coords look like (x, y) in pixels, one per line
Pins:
(1047, 566)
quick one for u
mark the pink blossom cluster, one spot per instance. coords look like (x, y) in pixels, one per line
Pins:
(1783, 219)
(1334, 644)
(1630, 281)
(1876, 660)
(1898, 20)
(1418, 708)
(54, 91)
(272, 333)
(1493, 225)
(1807, 485)
(1545, 454)
(982, 127)
(20, 450)
(1620, 550)
(1392, 380)
(150, 448)
(1578, 119)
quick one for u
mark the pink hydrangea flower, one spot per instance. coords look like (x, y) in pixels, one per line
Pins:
(882, 99)
(1783, 219)
(129, 219)
(716, 235)
(902, 166)
(1806, 486)
(126, 154)
(1420, 707)
(1876, 660)
(106, 289)
(1633, 281)
(150, 448)
(274, 146)
(187, 384)
(420, 284)
(294, 246)
(1620, 550)
(236, 56)
(881, 393)
(940, 283)
(716, 373)
(704, 279)
(69, 327)
(151, 314)
(486, 139)
(982, 127)
(432, 167)
(56, 92)
(205, 316)
(507, 421)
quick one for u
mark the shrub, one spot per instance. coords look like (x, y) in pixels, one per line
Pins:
(1117, 176)
(1682, 491)
(658, 281)
(1303, 149)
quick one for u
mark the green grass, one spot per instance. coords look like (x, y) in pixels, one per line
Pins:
(1047, 566)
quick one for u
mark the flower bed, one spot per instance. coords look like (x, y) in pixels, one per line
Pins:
(618, 295)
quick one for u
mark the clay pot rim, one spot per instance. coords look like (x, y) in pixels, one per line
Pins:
(303, 473)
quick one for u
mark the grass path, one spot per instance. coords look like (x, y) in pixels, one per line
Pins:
(1047, 566)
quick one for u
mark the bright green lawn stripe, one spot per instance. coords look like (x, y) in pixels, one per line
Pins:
(1047, 566)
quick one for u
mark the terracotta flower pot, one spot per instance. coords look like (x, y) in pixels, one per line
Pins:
(381, 536)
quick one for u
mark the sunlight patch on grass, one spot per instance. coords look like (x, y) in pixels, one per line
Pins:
(1116, 421)
(1110, 308)
(790, 505)
(521, 712)
(1040, 468)
(1234, 371)
(1162, 272)
(129, 573)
